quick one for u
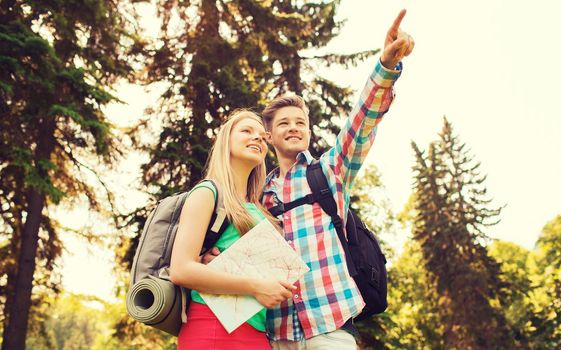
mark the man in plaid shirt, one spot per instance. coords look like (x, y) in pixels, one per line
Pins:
(319, 316)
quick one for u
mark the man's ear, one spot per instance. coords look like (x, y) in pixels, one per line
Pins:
(268, 137)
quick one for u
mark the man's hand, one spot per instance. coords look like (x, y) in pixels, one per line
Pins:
(210, 255)
(398, 44)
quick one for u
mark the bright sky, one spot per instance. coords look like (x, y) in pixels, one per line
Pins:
(491, 67)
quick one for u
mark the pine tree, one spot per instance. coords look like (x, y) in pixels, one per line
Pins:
(452, 210)
(57, 60)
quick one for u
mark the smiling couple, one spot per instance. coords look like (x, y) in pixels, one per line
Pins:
(316, 311)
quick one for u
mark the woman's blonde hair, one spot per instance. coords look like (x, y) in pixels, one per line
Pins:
(219, 169)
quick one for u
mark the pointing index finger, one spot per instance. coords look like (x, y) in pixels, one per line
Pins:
(397, 21)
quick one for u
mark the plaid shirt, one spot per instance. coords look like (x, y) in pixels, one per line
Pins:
(326, 296)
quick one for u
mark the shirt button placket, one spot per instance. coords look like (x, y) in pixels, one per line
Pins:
(284, 220)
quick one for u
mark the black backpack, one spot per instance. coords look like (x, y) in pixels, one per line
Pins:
(365, 261)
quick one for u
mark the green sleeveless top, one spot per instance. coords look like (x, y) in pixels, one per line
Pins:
(231, 235)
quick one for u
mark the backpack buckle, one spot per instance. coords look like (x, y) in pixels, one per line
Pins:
(374, 277)
(337, 222)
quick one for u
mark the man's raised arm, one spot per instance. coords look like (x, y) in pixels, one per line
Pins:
(359, 131)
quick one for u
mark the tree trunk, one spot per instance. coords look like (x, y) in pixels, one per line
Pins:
(9, 289)
(18, 308)
(16, 329)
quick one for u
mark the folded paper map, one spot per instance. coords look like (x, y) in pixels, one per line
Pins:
(263, 253)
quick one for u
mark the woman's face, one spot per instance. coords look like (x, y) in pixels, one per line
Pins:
(247, 142)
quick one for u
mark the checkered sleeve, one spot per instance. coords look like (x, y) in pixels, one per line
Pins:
(359, 130)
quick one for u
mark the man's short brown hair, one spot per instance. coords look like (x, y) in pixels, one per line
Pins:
(281, 102)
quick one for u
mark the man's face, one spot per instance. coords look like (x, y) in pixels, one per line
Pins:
(290, 132)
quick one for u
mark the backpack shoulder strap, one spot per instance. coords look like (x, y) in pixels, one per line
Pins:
(322, 194)
(321, 191)
(217, 225)
(218, 221)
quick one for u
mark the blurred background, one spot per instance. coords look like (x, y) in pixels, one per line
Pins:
(107, 106)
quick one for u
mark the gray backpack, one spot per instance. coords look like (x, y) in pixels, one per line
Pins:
(152, 299)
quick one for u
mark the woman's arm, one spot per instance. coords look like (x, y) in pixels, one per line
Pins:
(187, 271)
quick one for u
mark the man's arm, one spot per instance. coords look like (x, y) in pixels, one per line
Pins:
(358, 133)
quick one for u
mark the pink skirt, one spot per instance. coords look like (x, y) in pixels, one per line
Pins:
(203, 331)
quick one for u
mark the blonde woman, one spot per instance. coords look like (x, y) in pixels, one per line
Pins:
(236, 165)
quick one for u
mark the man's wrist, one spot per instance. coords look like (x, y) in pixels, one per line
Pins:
(391, 66)
(385, 77)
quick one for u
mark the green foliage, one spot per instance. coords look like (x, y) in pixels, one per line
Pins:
(546, 298)
(515, 263)
(71, 325)
(531, 306)
(81, 322)
(413, 304)
(550, 243)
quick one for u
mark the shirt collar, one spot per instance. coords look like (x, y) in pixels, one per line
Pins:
(304, 157)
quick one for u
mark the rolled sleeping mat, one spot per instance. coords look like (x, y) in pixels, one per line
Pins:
(156, 302)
